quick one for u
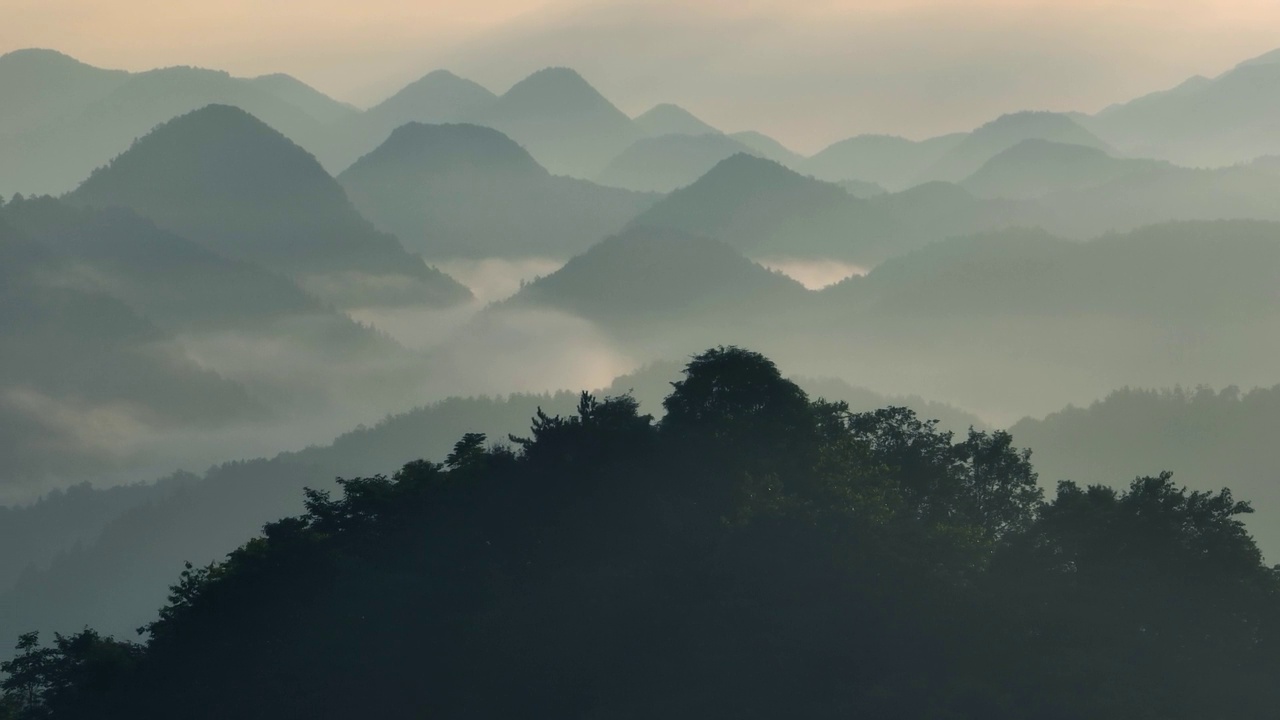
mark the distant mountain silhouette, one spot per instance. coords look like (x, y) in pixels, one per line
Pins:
(649, 274)
(470, 191)
(38, 85)
(1187, 272)
(984, 143)
(437, 97)
(228, 181)
(1202, 122)
(1199, 434)
(890, 161)
(74, 118)
(306, 98)
(666, 162)
(566, 124)
(1036, 167)
(80, 366)
(1156, 193)
(765, 209)
(768, 148)
(668, 119)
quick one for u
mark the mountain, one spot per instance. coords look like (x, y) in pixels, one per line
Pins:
(764, 209)
(666, 162)
(886, 160)
(1201, 435)
(1185, 272)
(75, 118)
(436, 98)
(1034, 168)
(225, 179)
(984, 143)
(470, 191)
(756, 553)
(1152, 192)
(168, 279)
(668, 119)
(646, 275)
(83, 371)
(38, 85)
(766, 147)
(1020, 322)
(1203, 122)
(568, 126)
(306, 98)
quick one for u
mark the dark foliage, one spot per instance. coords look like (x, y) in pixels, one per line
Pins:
(754, 554)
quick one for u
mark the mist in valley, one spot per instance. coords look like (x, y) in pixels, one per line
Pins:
(627, 407)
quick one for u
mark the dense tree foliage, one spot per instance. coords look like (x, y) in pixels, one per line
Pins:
(754, 554)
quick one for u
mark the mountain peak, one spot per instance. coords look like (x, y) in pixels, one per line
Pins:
(669, 119)
(32, 57)
(440, 148)
(554, 85)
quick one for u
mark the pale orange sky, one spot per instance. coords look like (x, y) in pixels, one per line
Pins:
(805, 71)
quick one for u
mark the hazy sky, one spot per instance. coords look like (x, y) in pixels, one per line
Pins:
(806, 71)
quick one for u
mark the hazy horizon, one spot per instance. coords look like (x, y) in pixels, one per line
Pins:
(808, 77)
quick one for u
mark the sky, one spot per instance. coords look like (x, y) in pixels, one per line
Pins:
(808, 72)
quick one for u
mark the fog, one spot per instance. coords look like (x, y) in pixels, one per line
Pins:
(760, 338)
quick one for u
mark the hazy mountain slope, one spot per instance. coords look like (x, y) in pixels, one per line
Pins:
(1036, 167)
(666, 162)
(1203, 122)
(168, 279)
(38, 85)
(764, 209)
(984, 143)
(890, 161)
(766, 147)
(97, 119)
(647, 275)
(82, 370)
(306, 98)
(118, 578)
(228, 181)
(568, 126)
(1206, 438)
(469, 191)
(668, 119)
(436, 98)
(1160, 194)
(1020, 322)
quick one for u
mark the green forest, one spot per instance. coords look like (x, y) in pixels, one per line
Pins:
(756, 553)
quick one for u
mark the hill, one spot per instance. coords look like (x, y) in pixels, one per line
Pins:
(668, 119)
(1021, 323)
(890, 161)
(1160, 193)
(650, 275)
(225, 179)
(1202, 122)
(567, 125)
(755, 552)
(469, 191)
(436, 98)
(83, 372)
(306, 98)
(984, 143)
(38, 85)
(666, 162)
(1034, 168)
(75, 118)
(1201, 435)
(766, 147)
(766, 210)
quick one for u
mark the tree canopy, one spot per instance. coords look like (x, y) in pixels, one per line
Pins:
(756, 553)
